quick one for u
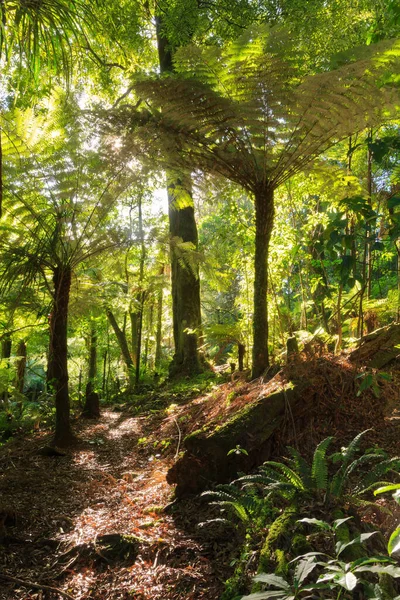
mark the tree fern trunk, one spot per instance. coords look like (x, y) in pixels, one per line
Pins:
(264, 204)
(6, 345)
(157, 359)
(57, 370)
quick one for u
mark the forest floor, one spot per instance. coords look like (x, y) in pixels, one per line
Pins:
(55, 510)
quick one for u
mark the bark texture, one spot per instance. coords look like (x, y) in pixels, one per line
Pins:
(57, 370)
(21, 365)
(264, 205)
(6, 345)
(185, 284)
(185, 280)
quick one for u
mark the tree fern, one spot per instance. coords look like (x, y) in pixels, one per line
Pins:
(249, 113)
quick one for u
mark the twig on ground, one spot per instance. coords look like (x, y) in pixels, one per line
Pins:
(179, 438)
(33, 584)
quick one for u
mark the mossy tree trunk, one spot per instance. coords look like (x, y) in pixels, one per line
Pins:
(57, 369)
(1, 175)
(159, 324)
(264, 216)
(185, 285)
(185, 280)
(241, 353)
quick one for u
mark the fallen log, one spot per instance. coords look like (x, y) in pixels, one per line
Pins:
(241, 444)
(378, 348)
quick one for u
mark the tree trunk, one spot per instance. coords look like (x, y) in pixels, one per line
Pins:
(264, 205)
(92, 405)
(134, 318)
(21, 365)
(139, 340)
(241, 353)
(157, 359)
(57, 369)
(185, 288)
(6, 345)
(368, 241)
(185, 280)
(123, 345)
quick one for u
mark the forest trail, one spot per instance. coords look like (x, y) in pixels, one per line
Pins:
(112, 482)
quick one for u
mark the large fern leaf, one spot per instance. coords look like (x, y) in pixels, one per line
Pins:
(299, 464)
(319, 468)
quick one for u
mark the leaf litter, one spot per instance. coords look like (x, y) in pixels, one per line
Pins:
(56, 510)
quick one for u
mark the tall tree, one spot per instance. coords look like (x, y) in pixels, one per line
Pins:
(52, 226)
(185, 280)
(250, 113)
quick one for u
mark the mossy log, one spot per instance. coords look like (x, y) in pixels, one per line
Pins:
(378, 348)
(207, 457)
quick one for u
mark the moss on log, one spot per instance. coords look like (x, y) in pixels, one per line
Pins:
(207, 457)
(378, 348)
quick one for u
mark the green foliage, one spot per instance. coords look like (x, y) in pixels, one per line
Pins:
(42, 34)
(330, 479)
(249, 508)
(333, 573)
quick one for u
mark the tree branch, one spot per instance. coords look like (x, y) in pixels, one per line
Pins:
(32, 584)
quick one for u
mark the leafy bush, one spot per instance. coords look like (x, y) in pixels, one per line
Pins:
(331, 574)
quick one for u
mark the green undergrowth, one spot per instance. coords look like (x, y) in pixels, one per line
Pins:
(176, 391)
(19, 415)
(304, 537)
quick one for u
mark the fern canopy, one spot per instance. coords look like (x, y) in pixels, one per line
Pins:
(250, 113)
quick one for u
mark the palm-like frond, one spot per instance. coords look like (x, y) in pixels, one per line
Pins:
(291, 476)
(42, 32)
(301, 466)
(249, 114)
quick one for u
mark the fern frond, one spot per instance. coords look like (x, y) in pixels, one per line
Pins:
(363, 460)
(319, 468)
(301, 466)
(250, 114)
(352, 448)
(292, 477)
(379, 470)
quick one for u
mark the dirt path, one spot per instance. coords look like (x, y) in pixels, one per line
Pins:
(111, 483)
